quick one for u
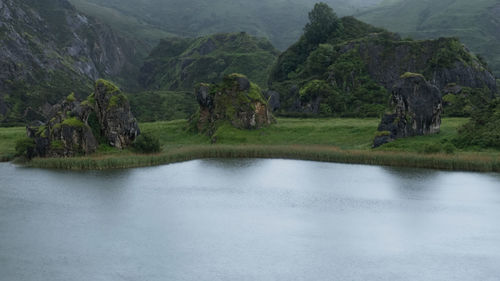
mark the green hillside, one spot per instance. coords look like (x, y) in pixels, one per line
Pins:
(279, 20)
(476, 23)
(180, 63)
(344, 67)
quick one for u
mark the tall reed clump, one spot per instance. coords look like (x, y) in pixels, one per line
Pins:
(464, 162)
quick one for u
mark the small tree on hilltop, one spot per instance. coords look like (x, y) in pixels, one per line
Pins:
(322, 23)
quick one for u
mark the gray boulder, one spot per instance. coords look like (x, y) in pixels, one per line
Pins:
(417, 107)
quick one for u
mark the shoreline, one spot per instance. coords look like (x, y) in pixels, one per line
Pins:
(472, 162)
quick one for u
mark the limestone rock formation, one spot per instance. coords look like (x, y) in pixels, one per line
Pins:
(235, 100)
(273, 99)
(76, 128)
(117, 123)
(417, 110)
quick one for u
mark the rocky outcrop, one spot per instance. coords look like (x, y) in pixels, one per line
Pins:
(386, 61)
(117, 123)
(236, 101)
(417, 107)
(74, 127)
(273, 98)
(359, 68)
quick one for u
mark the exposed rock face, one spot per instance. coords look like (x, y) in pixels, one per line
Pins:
(235, 100)
(113, 111)
(386, 67)
(66, 134)
(273, 99)
(417, 110)
(48, 49)
(74, 127)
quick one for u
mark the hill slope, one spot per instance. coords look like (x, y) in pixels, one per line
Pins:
(279, 20)
(180, 63)
(348, 70)
(476, 23)
(48, 49)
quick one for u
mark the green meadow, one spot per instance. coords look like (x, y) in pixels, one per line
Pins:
(330, 140)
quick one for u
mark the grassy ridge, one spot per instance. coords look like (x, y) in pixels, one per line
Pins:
(329, 140)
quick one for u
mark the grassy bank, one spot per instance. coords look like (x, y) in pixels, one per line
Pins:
(330, 140)
(8, 138)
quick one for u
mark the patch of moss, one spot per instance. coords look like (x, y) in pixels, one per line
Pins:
(117, 100)
(90, 101)
(110, 87)
(255, 93)
(57, 144)
(382, 134)
(42, 131)
(73, 122)
(411, 75)
(71, 97)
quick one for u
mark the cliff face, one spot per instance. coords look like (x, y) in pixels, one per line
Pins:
(442, 61)
(352, 73)
(417, 107)
(48, 49)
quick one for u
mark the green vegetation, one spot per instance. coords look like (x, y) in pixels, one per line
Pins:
(24, 147)
(150, 20)
(177, 64)
(72, 122)
(323, 22)
(162, 105)
(117, 100)
(40, 64)
(328, 68)
(110, 87)
(335, 140)
(410, 75)
(474, 22)
(71, 97)
(8, 139)
(483, 129)
(346, 68)
(464, 103)
(146, 143)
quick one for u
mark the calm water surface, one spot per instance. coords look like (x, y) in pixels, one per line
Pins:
(249, 220)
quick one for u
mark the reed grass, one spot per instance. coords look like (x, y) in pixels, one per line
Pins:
(462, 162)
(328, 140)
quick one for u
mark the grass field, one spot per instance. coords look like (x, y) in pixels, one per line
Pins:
(332, 140)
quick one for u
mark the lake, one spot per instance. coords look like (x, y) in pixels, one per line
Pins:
(249, 220)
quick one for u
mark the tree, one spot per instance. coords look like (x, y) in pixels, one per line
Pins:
(323, 22)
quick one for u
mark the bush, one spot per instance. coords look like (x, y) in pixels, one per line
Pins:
(432, 148)
(146, 143)
(449, 148)
(25, 147)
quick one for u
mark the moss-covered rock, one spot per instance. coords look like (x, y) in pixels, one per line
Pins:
(235, 100)
(417, 107)
(76, 128)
